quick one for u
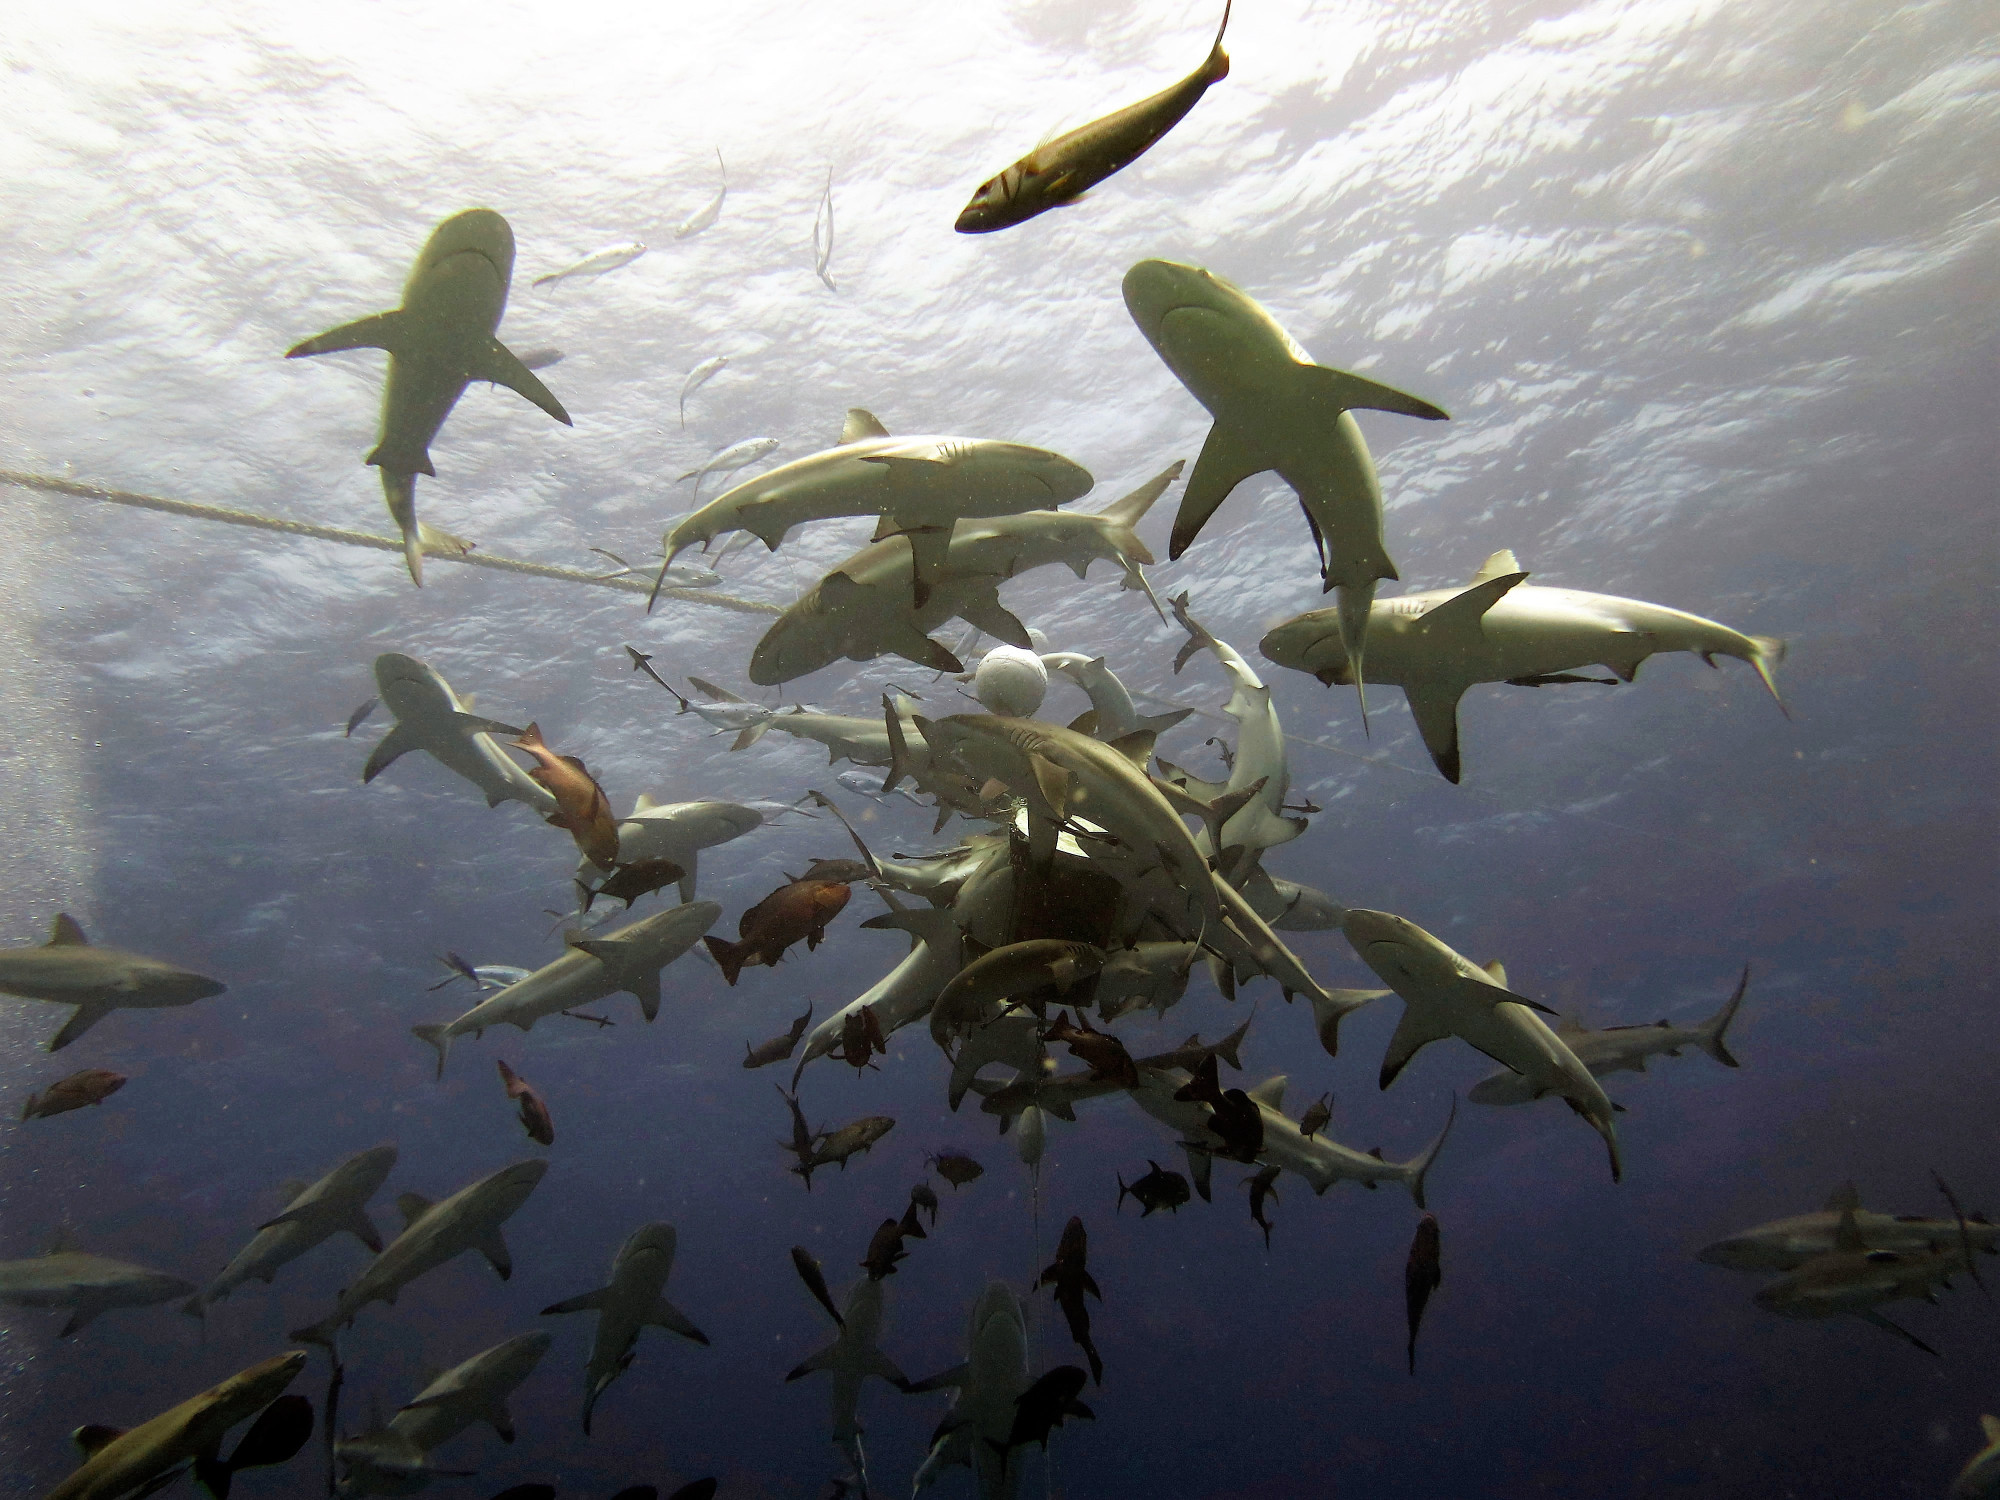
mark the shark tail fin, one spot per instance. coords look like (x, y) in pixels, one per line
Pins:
(1417, 1168)
(1765, 653)
(1124, 514)
(437, 1036)
(1356, 600)
(1712, 1029)
(1217, 70)
(899, 748)
(729, 957)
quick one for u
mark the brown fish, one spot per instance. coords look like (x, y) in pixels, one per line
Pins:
(848, 871)
(1233, 1116)
(581, 806)
(1070, 1276)
(534, 1111)
(922, 1197)
(860, 1039)
(799, 909)
(1262, 1186)
(629, 882)
(91, 1086)
(1159, 1188)
(1421, 1276)
(885, 1248)
(1313, 1121)
(779, 1047)
(955, 1167)
(911, 1225)
(815, 1280)
(1105, 1055)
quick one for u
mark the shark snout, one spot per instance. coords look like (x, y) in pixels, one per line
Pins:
(1366, 928)
(476, 231)
(1155, 288)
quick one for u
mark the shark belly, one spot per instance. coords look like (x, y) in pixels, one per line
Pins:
(572, 980)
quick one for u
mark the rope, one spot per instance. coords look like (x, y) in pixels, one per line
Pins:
(50, 484)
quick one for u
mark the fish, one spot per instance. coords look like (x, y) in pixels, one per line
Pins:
(70, 970)
(885, 1248)
(1621, 1048)
(360, 716)
(815, 1280)
(336, 1204)
(955, 1167)
(534, 1109)
(1020, 974)
(1069, 1274)
(823, 247)
(688, 228)
(679, 831)
(1787, 1244)
(1262, 1185)
(1437, 643)
(975, 1431)
(1445, 994)
(1313, 1121)
(625, 960)
(118, 1463)
(1115, 714)
(1980, 1478)
(835, 1146)
(739, 455)
(797, 911)
(853, 1356)
(432, 718)
(1852, 1279)
(441, 338)
(275, 1438)
(1233, 1118)
(393, 1459)
(860, 1038)
(1059, 172)
(903, 995)
(542, 359)
(803, 1136)
(1159, 1188)
(90, 1086)
(922, 1196)
(596, 264)
(86, 1284)
(1043, 1405)
(1274, 409)
(434, 1233)
(632, 879)
(698, 377)
(634, 1299)
(461, 968)
(581, 806)
(865, 785)
(1421, 1277)
(1105, 1055)
(778, 1048)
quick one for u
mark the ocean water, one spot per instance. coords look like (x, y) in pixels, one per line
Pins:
(1708, 291)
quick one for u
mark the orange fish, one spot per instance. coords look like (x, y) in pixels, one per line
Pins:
(800, 909)
(581, 806)
(534, 1110)
(91, 1086)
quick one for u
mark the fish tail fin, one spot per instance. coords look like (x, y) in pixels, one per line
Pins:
(1356, 600)
(1218, 60)
(1766, 652)
(399, 493)
(437, 1036)
(728, 956)
(1418, 1168)
(1124, 515)
(899, 748)
(1713, 1029)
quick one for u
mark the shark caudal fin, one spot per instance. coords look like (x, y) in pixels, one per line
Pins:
(1217, 67)
(399, 493)
(1765, 653)
(1713, 1028)
(1356, 600)
(1122, 516)
(437, 1036)
(1333, 1006)
(1417, 1168)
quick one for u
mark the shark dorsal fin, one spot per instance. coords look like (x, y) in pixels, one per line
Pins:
(62, 1242)
(66, 933)
(860, 426)
(1847, 1233)
(645, 800)
(1270, 1092)
(1499, 564)
(1496, 971)
(1085, 722)
(412, 1206)
(1136, 747)
(471, 702)
(94, 1436)
(1843, 1199)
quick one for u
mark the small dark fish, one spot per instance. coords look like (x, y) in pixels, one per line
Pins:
(815, 1280)
(1233, 1115)
(534, 1110)
(1313, 1121)
(91, 1086)
(955, 1167)
(1105, 1055)
(461, 968)
(276, 1437)
(1159, 1188)
(631, 881)
(860, 1038)
(779, 1047)
(922, 1197)
(1262, 1186)
(1421, 1276)
(1040, 1409)
(700, 1489)
(885, 1248)
(1070, 1276)
(360, 716)
(911, 1225)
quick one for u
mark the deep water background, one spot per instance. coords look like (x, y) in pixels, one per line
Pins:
(1708, 291)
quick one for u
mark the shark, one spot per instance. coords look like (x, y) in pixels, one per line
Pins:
(440, 340)
(1980, 1478)
(854, 1355)
(907, 992)
(71, 970)
(1274, 409)
(634, 1298)
(679, 831)
(147, 1457)
(1852, 1279)
(1445, 994)
(1113, 713)
(626, 959)
(988, 1384)
(862, 608)
(919, 487)
(336, 1204)
(1622, 1048)
(1787, 1244)
(434, 1233)
(433, 718)
(1437, 643)
(394, 1458)
(86, 1284)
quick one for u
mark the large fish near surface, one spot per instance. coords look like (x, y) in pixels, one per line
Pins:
(994, 1374)
(581, 806)
(336, 1204)
(124, 1465)
(862, 609)
(69, 970)
(394, 1458)
(1437, 643)
(85, 1284)
(633, 1299)
(1274, 409)
(627, 959)
(434, 1233)
(431, 717)
(439, 341)
(1059, 172)
(920, 487)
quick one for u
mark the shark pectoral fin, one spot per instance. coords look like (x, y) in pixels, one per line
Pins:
(907, 641)
(1461, 615)
(929, 547)
(382, 331)
(990, 615)
(293, 1216)
(748, 737)
(1434, 705)
(498, 364)
(880, 1364)
(1498, 995)
(85, 1310)
(587, 1302)
(666, 1315)
(1085, 722)
(819, 1359)
(358, 1224)
(1417, 1030)
(1053, 783)
(494, 1248)
(86, 1016)
(500, 1420)
(412, 1206)
(1349, 391)
(1226, 461)
(1201, 1169)
(647, 992)
(1136, 747)
(479, 724)
(953, 1379)
(397, 743)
